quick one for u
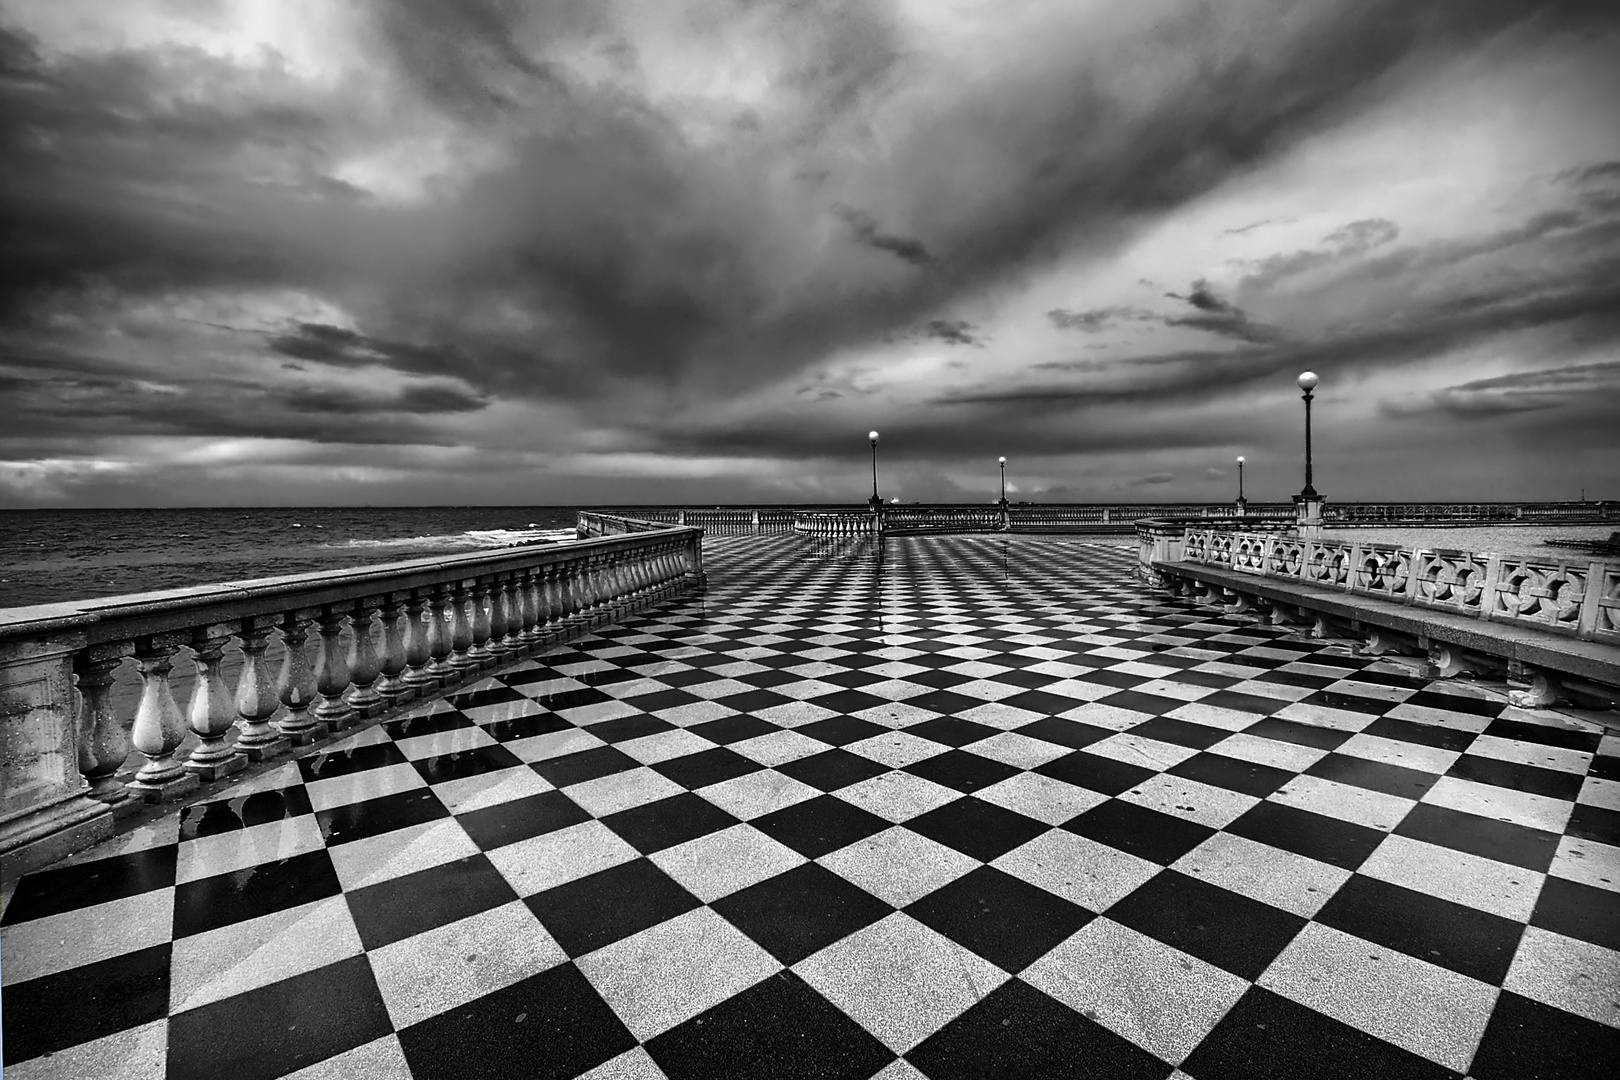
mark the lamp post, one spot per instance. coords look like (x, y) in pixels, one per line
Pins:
(877, 503)
(1003, 482)
(1243, 504)
(1307, 383)
(1308, 504)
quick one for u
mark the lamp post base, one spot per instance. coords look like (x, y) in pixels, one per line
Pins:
(1308, 514)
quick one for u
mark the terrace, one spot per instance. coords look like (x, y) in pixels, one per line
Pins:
(985, 805)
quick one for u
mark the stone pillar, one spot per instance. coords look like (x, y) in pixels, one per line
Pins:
(103, 743)
(256, 698)
(418, 629)
(159, 726)
(441, 627)
(462, 659)
(295, 685)
(363, 667)
(396, 624)
(1308, 515)
(45, 811)
(212, 712)
(332, 671)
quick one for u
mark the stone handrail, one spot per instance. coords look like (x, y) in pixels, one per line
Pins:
(413, 628)
(1578, 598)
(834, 526)
(943, 518)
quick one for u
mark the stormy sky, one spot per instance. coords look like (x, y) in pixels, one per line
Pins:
(412, 251)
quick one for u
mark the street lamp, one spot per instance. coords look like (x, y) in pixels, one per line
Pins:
(1003, 482)
(1243, 505)
(1307, 383)
(877, 503)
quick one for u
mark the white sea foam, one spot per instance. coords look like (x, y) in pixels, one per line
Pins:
(471, 539)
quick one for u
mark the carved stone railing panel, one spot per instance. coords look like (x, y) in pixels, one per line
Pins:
(1542, 593)
(1329, 563)
(1606, 604)
(1451, 580)
(386, 634)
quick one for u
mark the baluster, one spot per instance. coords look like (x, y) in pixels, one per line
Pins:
(441, 631)
(103, 743)
(396, 625)
(556, 598)
(295, 685)
(567, 593)
(332, 671)
(418, 646)
(612, 585)
(159, 728)
(533, 599)
(462, 660)
(256, 700)
(514, 602)
(585, 586)
(211, 711)
(364, 669)
(500, 616)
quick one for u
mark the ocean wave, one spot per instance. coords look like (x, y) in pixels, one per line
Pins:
(471, 539)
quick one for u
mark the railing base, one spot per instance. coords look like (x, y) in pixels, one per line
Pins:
(52, 832)
(214, 770)
(265, 751)
(166, 791)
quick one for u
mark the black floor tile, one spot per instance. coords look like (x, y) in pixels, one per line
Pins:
(1341, 843)
(801, 912)
(963, 771)
(1433, 699)
(1017, 1031)
(573, 699)
(948, 702)
(686, 679)
(604, 907)
(1009, 922)
(1137, 701)
(1510, 774)
(1071, 733)
(1233, 774)
(667, 822)
(659, 700)
(410, 727)
(1230, 931)
(550, 1026)
(832, 769)
(626, 728)
(1096, 772)
(1564, 738)
(819, 826)
(1292, 731)
(471, 699)
(707, 767)
(1119, 680)
(1374, 775)
(850, 701)
(1220, 682)
(778, 1028)
(324, 766)
(525, 727)
(937, 678)
(1605, 767)
(1040, 701)
(1029, 680)
(402, 907)
(1503, 841)
(977, 828)
(1526, 1040)
(1441, 738)
(67, 888)
(1142, 832)
(1580, 911)
(592, 764)
(1464, 939)
(373, 817)
(209, 903)
(754, 700)
(243, 812)
(1589, 823)
(464, 763)
(280, 1028)
(733, 729)
(952, 731)
(1267, 1037)
(1181, 732)
(1347, 702)
(841, 730)
(768, 678)
(1287, 678)
(1238, 701)
(57, 1011)
(519, 819)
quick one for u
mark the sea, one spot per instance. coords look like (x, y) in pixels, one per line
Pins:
(53, 556)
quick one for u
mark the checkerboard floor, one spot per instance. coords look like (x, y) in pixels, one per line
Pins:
(989, 809)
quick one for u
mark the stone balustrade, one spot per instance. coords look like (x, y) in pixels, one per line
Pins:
(384, 636)
(843, 525)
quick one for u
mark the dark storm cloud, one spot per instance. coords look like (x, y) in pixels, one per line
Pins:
(1522, 392)
(952, 331)
(1218, 316)
(652, 256)
(1098, 319)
